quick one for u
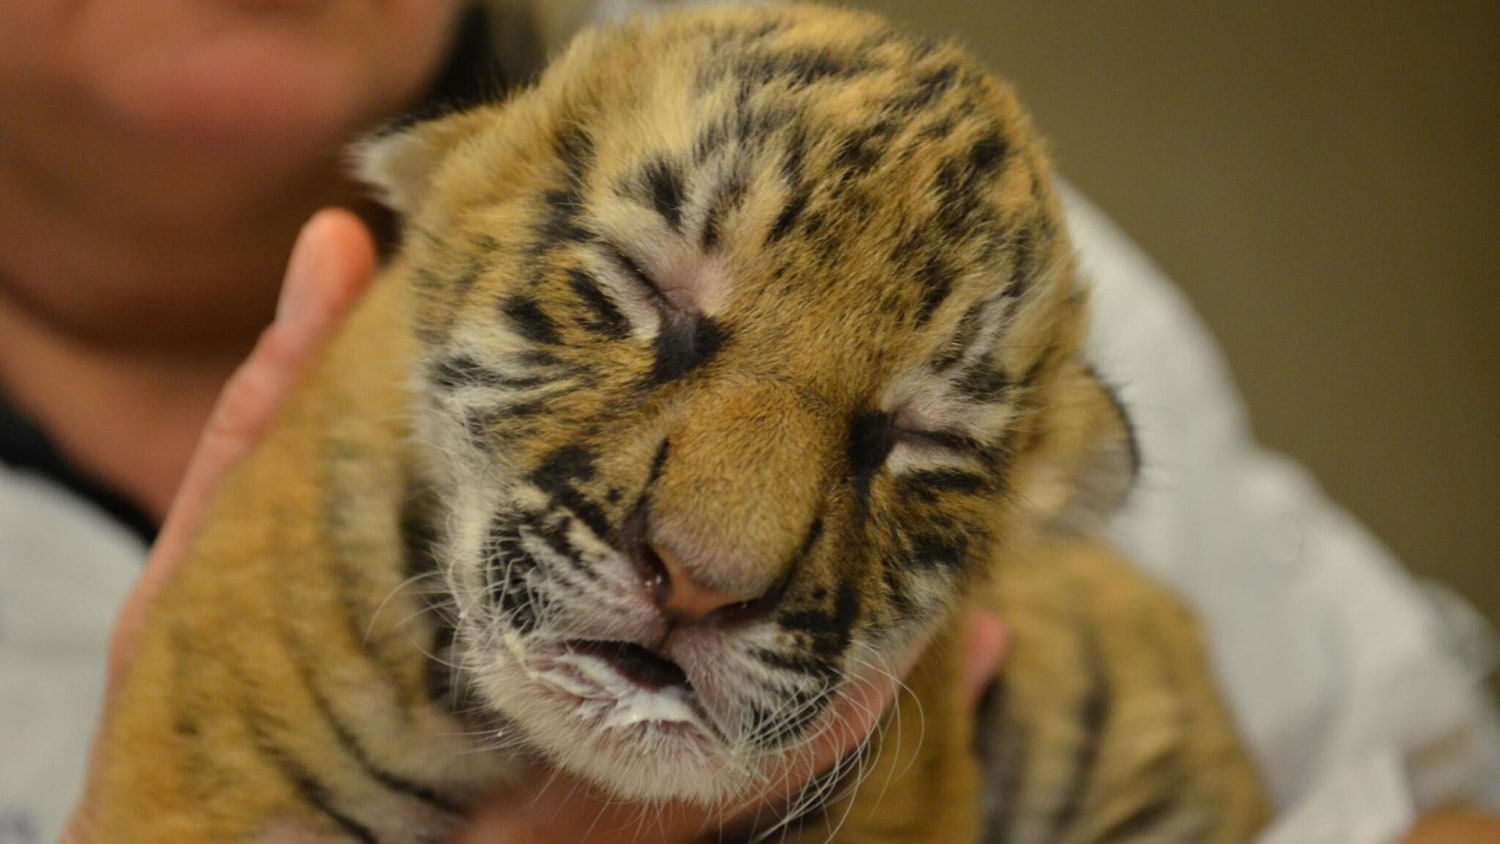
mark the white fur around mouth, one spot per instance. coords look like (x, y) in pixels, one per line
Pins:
(608, 698)
(614, 699)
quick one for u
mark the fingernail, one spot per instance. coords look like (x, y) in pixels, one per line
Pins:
(301, 275)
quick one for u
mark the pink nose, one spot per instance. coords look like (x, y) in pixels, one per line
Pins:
(682, 596)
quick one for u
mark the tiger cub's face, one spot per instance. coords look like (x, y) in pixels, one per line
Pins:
(750, 340)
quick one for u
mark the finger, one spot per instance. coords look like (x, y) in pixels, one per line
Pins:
(986, 642)
(332, 262)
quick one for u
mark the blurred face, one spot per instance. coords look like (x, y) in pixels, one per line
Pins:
(245, 77)
(158, 156)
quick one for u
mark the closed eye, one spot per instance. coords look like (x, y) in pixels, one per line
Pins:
(938, 440)
(874, 437)
(910, 427)
(632, 269)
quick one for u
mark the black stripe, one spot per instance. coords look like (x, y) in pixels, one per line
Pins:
(829, 631)
(930, 86)
(861, 149)
(1001, 749)
(563, 466)
(935, 279)
(536, 358)
(556, 477)
(1092, 718)
(954, 441)
(554, 532)
(794, 713)
(560, 223)
(986, 156)
(312, 792)
(508, 590)
(529, 320)
(936, 547)
(814, 533)
(575, 149)
(1023, 249)
(798, 662)
(929, 484)
(1147, 817)
(586, 511)
(462, 371)
(203, 770)
(357, 596)
(1134, 443)
(489, 417)
(632, 268)
(605, 318)
(983, 383)
(308, 668)
(419, 540)
(711, 138)
(729, 197)
(894, 576)
(787, 217)
(872, 435)
(317, 797)
(658, 462)
(356, 752)
(664, 183)
(806, 67)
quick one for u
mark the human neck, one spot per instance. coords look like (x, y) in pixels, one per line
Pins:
(120, 319)
(128, 420)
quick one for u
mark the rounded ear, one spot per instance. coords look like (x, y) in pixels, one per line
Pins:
(1085, 466)
(399, 162)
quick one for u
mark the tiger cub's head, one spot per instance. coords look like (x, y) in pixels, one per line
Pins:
(751, 339)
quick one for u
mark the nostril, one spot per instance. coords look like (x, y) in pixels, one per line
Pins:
(683, 595)
(746, 611)
(737, 613)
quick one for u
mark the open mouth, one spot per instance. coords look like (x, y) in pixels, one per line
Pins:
(625, 685)
(637, 663)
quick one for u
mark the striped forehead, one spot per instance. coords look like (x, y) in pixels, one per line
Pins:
(872, 179)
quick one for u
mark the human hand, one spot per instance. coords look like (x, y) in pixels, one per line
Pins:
(331, 265)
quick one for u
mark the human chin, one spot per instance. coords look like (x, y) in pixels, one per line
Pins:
(268, 77)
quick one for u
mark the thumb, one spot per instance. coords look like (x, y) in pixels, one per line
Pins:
(986, 642)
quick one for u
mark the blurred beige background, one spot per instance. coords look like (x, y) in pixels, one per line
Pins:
(1323, 179)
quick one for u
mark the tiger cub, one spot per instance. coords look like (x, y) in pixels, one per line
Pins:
(733, 358)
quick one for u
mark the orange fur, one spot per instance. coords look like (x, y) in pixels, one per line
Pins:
(821, 260)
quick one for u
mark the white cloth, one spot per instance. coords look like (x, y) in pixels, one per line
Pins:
(64, 569)
(1360, 703)
(1362, 698)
